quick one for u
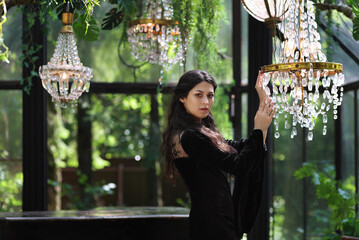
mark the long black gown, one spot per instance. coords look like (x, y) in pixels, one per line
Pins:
(215, 213)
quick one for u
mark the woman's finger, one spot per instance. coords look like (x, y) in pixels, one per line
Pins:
(259, 78)
(273, 112)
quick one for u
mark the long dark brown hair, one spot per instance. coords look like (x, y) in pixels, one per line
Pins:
(179, 120)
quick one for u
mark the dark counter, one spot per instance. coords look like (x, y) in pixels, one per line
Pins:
(170, 223)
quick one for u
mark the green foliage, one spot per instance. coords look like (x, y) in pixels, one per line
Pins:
(10, 151)
(184, 203)
(209, 14)
(10, 190)
(62, 132)
(356, 28)
(355, 8)
(122, 128)
(4, 51)
(96, 190)
(113, 19)
(341, 202)
(85, 27)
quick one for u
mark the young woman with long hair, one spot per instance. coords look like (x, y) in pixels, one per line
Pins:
(193, 145)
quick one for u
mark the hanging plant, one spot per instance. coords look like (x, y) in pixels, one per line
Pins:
(4, 51)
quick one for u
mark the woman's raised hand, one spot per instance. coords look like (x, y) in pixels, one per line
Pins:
(261, 93)
(264, 115)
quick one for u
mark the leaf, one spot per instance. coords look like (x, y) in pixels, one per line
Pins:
(356, 28)
(129, 7)
(113, 19)
(87, 30)
(34, 73)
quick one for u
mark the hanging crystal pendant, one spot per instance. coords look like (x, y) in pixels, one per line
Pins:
(64, 77)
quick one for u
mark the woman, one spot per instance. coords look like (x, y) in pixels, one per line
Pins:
(193, 144)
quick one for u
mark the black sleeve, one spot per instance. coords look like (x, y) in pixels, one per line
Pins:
(200, 146)
(238, 145)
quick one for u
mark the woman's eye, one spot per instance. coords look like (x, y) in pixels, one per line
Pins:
(198, 95)
(211, 96)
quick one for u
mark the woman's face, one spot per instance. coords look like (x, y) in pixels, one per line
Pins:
(199, 101)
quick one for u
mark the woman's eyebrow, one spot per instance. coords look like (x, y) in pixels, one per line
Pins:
(203, 91)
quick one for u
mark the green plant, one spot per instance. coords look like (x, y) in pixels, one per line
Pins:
(4, 52)
(186, 203)
(94, 191)
(10, 190)
(341, 201)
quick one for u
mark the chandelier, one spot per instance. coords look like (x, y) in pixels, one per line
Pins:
(302, 73)
(64, 77)
(156, 38)
(269, 11)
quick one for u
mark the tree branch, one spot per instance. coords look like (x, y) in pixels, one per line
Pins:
(345, 9)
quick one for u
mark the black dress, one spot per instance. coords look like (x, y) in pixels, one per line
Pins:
(215, 213)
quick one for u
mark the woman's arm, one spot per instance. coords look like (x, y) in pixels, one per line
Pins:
(236, 144)
(199, 146)
(266, 110)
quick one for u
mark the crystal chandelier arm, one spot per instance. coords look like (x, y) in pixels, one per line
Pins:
(122, 59)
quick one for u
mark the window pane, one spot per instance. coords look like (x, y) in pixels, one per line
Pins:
(287, 212)
(344, 33)
(324, 156)
(357, 138)
(244, 115)
(244, 47)
(118, 127)
(12, 30)
(220, 111)
(348, 138)
(11, 151)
